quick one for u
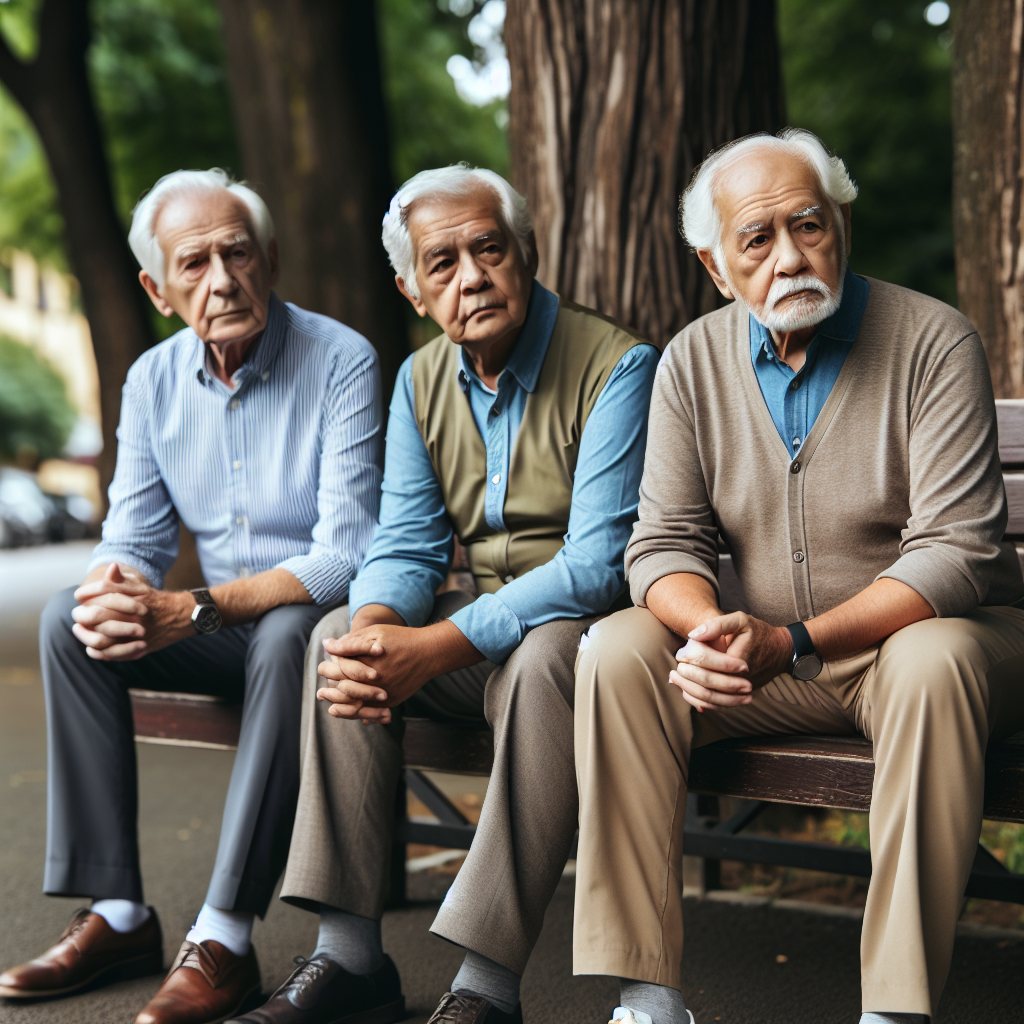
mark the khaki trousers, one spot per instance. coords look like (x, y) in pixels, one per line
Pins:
(930, 698)
(340, 847)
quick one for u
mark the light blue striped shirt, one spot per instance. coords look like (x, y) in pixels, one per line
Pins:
(283, 472)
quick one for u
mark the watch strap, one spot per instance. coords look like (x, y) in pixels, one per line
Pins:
(203, 596)
(802, 642)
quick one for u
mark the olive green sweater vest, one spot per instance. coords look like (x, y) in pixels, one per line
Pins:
(584, 349)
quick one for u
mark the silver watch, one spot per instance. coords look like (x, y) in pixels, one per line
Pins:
(205, 616)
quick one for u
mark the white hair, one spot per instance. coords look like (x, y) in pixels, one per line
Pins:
(457, 180)
(143, 240)
(699, 220)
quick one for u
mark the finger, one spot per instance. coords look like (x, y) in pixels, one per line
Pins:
(700, 705)
(372, 714)
(345, 668)
(344, 710)
(90, 637)
(707, 656)
(117, 602)
(118, 652)
(118, 629)
(707, 695)
(351, 691)
(354, 645)
(93, 617)
(719, 625)
(104, 586)
(721, 682)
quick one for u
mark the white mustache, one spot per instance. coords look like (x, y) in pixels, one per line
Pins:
(786, 286)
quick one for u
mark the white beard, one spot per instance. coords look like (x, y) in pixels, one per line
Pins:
(804, 312)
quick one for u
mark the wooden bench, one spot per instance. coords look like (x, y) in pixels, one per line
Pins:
(807, 771)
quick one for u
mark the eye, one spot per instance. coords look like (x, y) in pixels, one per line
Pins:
(442, 265)
(758, 240)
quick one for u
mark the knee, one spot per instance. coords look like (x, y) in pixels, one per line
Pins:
(55, 622)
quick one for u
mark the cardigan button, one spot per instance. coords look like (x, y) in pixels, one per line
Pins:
(798, 556)
(795, 467)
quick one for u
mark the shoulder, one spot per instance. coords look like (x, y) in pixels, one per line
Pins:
(162, 365)
(589, 323)
(709, 343)
(324, 337)
(894, 308)
(433, 358)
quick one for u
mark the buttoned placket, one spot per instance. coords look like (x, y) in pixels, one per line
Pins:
(235, 413)
(497, 444)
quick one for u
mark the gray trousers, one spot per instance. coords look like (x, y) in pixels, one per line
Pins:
(91, 838)
(341, 843)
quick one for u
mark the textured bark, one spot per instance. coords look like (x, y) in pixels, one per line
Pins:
(988, 214)
(613, 106)
(54, 90)
(309, 108)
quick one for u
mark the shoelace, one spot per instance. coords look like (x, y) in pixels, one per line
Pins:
(453, 1010)
(309, 972)
(76, 924)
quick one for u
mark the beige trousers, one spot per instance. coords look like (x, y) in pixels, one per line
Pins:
(930, 698)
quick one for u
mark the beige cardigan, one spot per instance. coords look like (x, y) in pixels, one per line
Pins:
(899, 476)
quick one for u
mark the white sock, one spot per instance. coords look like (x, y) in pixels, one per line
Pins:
(893, 1018)
(122, 915)
(231, 928)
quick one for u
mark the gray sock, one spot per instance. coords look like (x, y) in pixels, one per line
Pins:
(350, 940)
(479, 976)
(893, 1018)
(662, 1004)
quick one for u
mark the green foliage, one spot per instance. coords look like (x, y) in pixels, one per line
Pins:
(872, 79)
(1006, 841)
(35, 414)
(430, 125)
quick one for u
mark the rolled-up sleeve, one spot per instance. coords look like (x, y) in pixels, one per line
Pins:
(412, 548)
(587, 574)
(141, 527)
(348, 497)
(950, 550)
(675, 529)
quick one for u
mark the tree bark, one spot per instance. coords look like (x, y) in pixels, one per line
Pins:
(988, 212)
(309, 106)
(613, 106)
(54, 90)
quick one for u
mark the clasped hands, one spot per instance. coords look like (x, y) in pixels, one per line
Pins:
(727, 657)
(122, 618)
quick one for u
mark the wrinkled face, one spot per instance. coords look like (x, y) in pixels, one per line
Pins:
(218, 279)
(471, 275)
(782, 248)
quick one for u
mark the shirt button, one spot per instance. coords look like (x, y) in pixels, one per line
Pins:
(235, 403)
(496, 478)
(265, 375)
(509, 579)
(798, 556)
(236, 464)
(240, 520)
(795, 386)
(797, 442)
(795, 468)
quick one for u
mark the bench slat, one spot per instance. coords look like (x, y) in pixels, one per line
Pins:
(1010, 417)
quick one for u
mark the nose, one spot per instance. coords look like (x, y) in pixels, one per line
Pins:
(473, 276)
(220, 279)
(789, 257)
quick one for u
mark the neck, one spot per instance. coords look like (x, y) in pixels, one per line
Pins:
(791, 346)
(226, 358)
(488, 358)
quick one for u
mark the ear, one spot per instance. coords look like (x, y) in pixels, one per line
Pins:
(534, 259)
(417, 303)
(165, 308)
(274, 261)
(847, 227)
(705, 256)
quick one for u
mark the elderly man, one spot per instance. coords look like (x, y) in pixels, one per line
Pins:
(839, 434)
(520, 430)
(258, 427)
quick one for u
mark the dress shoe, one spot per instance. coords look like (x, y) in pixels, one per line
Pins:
(88, 952)
(464, 1009)
(207, 984)
(321, 991)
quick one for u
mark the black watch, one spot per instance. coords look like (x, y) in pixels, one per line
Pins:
(205, 616)
(806, 660)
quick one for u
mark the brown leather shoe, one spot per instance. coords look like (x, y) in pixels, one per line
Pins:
(465, 1009)
(88, 952)
(207, 984)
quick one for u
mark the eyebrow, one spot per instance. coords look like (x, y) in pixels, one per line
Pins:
(748, 229)
(807, 211)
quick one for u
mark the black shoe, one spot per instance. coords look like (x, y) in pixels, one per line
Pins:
(323, 992)
(465, 1009)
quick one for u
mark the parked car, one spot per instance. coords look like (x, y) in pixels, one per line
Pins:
(30, 516)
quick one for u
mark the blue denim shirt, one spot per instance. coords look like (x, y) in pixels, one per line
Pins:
(412, 549)
(795, 399)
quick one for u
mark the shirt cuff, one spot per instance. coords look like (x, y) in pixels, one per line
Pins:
(154, 575)
(491, 627)
(645, 572)
(402, 588)
(326, 579)
(938, 579)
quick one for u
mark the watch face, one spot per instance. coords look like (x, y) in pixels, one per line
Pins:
(207, 618)
(807, 667)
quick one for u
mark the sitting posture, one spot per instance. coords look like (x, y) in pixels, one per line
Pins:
(521, 431)
(839, 435)
(259, 428)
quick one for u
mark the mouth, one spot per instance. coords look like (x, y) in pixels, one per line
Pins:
(480, 310)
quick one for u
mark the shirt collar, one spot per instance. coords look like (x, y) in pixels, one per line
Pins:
(260, 358)
(842, 325)
(528, 353)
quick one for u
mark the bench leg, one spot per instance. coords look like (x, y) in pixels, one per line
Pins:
(701, 874)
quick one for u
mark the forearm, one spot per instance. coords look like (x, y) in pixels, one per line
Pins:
(376, 615)
(247, 599)
(682, 601)
(875, 613)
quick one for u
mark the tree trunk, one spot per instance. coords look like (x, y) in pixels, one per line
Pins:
(54, 90)
(613, 106)
(309, 107)
(988, 213)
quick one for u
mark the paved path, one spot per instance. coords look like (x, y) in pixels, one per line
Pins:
(732, 969)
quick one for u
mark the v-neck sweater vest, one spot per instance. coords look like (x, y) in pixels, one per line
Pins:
(899, 476)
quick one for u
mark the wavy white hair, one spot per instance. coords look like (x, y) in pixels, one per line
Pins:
(699, 220)
(454, 181)
(142, 239)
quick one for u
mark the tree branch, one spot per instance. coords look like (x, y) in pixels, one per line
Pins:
(15, 74)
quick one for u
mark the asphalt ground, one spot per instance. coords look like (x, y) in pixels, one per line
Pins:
(745, 963)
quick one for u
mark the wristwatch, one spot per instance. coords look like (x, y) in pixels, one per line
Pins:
(806, 660)
(205, 616)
